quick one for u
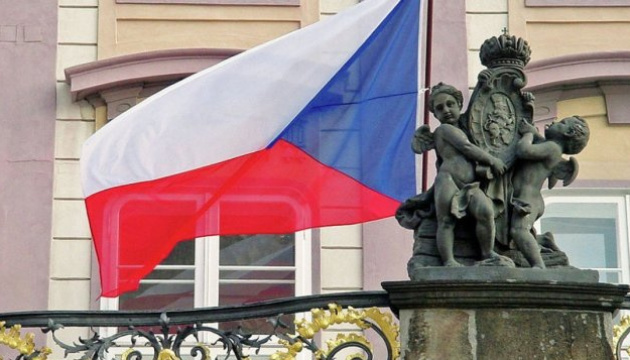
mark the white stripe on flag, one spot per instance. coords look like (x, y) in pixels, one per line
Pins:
(231, 109)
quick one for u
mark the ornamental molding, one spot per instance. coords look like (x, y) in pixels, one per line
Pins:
(148, 67)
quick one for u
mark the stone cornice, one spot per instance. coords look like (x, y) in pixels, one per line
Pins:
(580, 75)
(470, 294)
(578, 69)
(155, 66)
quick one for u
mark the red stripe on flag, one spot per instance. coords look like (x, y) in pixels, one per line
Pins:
(272, 191)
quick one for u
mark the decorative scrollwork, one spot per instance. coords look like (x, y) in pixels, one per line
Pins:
(344, 340)
(156, 336)
(620, 333)
(200, 350)
(322, 319)
(25, 345)
(165, 345)
(131, 354)
(387, 328)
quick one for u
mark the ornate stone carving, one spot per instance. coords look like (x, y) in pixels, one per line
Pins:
(495, 136)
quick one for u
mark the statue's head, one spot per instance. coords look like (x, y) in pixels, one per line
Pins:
(572, 132)
(441, 96)
(442, 88)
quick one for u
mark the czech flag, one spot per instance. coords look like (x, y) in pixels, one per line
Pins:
(312, 129)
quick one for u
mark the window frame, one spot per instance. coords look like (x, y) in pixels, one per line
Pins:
(210, 275)
(206, 281)
(620, 198)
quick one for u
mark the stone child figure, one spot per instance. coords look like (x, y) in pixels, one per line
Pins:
(539, 159)
(456, 190)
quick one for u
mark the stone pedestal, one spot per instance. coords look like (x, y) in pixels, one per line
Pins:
(512, 318)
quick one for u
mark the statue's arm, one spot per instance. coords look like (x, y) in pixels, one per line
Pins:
(456, 138)
(525, 127)
(526, 149)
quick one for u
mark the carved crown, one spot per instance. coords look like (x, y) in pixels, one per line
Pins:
(505, 50)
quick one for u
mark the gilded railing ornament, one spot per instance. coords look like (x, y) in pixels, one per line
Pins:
(371, 318)
(180, 334)
(167, 354)
(25, 345)
(164, 345)
(620, 333)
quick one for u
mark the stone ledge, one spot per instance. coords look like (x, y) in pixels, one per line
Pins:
(505, 294)
(498, 273)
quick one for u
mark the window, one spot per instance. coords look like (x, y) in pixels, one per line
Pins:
(216, 271)
(171, 286)
(229, 270)
(592, 228)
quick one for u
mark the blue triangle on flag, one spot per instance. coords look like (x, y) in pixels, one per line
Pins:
(362, 122)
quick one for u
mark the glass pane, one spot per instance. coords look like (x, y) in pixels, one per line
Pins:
(162, 274)
(182, 254)
(610, 277)
(238, 294)
(587, 232)
(258, 250)
(159, 297)
(257, 275)
(165, 295)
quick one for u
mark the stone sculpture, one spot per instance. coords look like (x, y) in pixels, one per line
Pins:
(456, 190)
(492, 164)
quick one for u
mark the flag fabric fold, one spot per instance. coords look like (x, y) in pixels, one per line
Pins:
(309, 130)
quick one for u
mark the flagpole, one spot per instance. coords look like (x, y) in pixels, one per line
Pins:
(427, 85)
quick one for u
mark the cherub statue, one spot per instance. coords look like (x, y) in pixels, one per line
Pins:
(456, 190)
(539, 159)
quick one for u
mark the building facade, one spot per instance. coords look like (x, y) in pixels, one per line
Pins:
(70, 67)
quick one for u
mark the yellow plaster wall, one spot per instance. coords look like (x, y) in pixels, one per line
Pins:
(132, 28)
(331, 7)
(557, 31)
(484, 20)
(606, 156)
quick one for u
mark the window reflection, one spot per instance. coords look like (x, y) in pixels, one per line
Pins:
(587, 232)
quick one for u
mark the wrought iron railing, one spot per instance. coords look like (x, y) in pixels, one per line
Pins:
(178, 334)
(169, 335)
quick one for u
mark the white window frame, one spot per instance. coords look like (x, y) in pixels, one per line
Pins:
(207, 267)
(620, 198)
(207, 288)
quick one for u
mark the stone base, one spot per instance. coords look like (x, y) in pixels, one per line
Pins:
(499, 273)
(466, 247)
(440, 334)
(490, 320)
